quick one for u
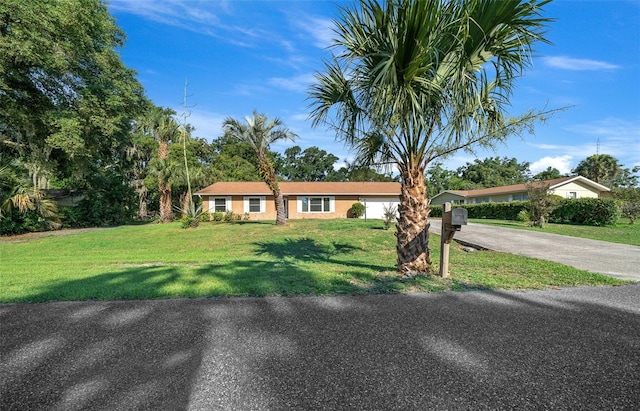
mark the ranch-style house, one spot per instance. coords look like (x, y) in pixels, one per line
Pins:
(302, 199)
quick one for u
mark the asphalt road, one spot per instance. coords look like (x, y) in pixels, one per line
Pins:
(576, 348)
(616, 260)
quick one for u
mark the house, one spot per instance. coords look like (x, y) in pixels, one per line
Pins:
(302, 199)
(566, 187)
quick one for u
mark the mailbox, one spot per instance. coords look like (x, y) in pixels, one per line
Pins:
(459, 216)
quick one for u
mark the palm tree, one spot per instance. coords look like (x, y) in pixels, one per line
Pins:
(259, 134)
(415, 80)
(601, 168)
(160, 124)
(16, 195)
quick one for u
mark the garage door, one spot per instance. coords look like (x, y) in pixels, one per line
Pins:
(375, 206)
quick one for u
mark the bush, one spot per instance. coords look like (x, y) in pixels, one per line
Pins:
(496, 211)
(218, 216)
(205, 216)
(228, 216)
(189, 222)
(631, 210)
(586, 211)
(629, 198)
(389, 212)
(523, 216)
(357, 210)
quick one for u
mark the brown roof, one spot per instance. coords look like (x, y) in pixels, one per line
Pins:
(295, 188)
(516, 188)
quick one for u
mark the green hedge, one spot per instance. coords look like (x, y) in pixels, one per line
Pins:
(586, 211)
(495, 211)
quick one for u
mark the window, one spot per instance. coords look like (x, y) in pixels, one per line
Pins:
(572, 194)
(519, 197)
(316, 204)
(254, 204)
(483, 200)
(220, 204)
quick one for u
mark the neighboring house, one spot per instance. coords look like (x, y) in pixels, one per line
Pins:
(302, 199)
(565, 187)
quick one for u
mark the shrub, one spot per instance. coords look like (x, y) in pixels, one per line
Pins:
(586, 211)
(357, 210)
(630, 202)
(188, 221)
(228, 216)
(523, 216)
(631, 210)
(218, 216)
(246, 216)
(205, 216)
(193, 216)
(497, 211)
(389, 212)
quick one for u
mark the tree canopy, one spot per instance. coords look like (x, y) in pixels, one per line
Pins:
(310, 164)
(66, 98)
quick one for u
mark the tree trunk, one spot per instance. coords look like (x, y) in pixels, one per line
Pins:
(281, 214)
(166, 214)
(412, 226)
(142, 200)
(268, 173)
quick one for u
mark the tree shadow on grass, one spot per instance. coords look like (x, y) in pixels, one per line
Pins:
(304, 248)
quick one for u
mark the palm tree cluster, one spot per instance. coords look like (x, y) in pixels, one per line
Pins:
(415, 80)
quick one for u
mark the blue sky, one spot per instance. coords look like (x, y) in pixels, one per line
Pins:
(243, 55)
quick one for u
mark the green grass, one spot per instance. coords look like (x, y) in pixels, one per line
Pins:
(250, 259)
(623, 232)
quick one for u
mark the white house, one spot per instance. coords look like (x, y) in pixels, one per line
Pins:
(566, 187)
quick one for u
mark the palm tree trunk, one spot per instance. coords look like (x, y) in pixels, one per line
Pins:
(142, 200)
(166, 214)
(281, 215)
(269, 175)
(412, 226)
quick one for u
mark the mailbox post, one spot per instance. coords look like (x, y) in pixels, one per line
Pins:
(452, 221)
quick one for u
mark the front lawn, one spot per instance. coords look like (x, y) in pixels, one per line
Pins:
(623, 232)
(306, 257)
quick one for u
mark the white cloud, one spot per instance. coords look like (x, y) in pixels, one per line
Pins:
(320, 29)
(299, 83)
(570, 63)
(196, 16)
(561, 163)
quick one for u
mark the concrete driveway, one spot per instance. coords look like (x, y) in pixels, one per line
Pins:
(616, 260)
(576, 348)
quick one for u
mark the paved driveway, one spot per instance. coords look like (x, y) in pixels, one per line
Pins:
(575, 348)
(616, 260)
